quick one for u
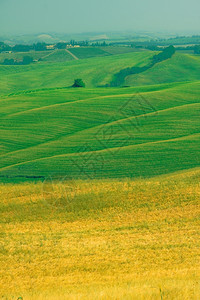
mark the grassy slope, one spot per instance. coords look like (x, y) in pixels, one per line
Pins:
(145, 138)
(101, 51)
(181, 67)
(119, 50)
(88, 52)
(62, 55)
(94, 72)
(101, 239)
(57, 56)
(107, 239)
(20, 55)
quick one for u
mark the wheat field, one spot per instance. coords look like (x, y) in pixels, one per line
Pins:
(101, 239)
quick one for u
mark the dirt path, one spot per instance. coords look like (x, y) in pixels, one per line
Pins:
(74, 56)
(52, 52)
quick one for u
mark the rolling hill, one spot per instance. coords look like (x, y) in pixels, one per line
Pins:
(61, 55)
(19, 55)
(117, 132)
(137, 131)
(95, 72)
(57, 56)
(87, 52)
(99, 186)
(181, 67)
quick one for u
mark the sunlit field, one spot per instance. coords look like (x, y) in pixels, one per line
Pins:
(101, 239)
(99, 186)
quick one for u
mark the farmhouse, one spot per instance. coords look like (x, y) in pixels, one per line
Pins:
(50, 47)
(73, 46)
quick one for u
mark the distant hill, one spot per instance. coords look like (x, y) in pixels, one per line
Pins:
(181, 67)
(57, 56)
(94, 71)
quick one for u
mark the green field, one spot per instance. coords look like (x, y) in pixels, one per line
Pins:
(46, 127)
(50, 129)
(114, 50)
(88, 52)
(19, 55)
(57, 56)
(100, 186)
(62, 55)
(94, 71)
(181, 67)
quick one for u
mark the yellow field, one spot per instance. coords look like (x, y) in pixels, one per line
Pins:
(101, 239)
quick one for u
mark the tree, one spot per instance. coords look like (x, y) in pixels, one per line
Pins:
(21, 48)
(73, 42)
(197, 49)
(104, 44)
(27, 60)
(78, 83)
(61, 45)
(40, 47)
(4, 47)
(9, 61)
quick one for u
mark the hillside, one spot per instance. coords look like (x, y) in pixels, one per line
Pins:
(60, 55)
(46, 127)
(99, 186)
(95, 72)
(57, 56)
(87, 52)
(19, 55)
(128, 132)
(181, 67)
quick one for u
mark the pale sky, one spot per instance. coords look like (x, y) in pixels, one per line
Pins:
(64, 16)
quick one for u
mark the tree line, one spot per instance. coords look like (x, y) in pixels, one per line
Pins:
(119, 78)
(197, 49)
(165, 54)
(44, 47)
(23, 48)
(25, 61)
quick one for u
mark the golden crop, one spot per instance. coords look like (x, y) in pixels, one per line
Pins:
(101, 239)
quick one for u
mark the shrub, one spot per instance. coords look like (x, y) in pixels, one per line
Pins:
(78, 83)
